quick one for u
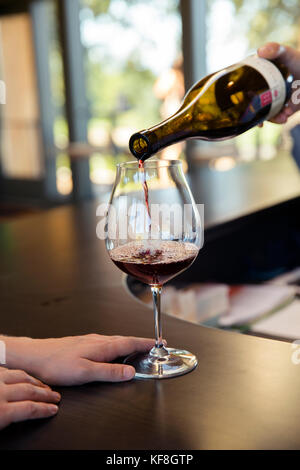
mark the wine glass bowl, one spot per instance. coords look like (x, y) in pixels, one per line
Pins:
(153, 234)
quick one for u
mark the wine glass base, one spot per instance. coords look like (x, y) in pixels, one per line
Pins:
(177, 362)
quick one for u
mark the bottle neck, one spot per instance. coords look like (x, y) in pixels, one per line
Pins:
(146, 143)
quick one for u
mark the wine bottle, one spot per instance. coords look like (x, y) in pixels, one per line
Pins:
(221, 105)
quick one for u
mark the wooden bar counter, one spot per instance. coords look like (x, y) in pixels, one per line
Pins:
(56, 279)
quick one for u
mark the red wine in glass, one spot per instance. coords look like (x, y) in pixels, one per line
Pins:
(153, 263)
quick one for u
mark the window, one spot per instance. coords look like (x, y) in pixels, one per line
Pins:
(34, 132)
(21, 137)
(64, 183)
(133, 65)
(235, 29)
(133, 79)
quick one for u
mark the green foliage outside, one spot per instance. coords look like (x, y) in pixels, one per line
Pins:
(124, 96)
(121, 97)
(270, 20)
(264, 21)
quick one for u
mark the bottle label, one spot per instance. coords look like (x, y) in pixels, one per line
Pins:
(276, 94)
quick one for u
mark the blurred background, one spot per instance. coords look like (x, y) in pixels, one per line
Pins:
(82, 75)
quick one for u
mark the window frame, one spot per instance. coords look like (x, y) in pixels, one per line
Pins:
(193, 46)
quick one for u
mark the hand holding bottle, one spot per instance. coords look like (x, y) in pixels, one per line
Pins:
(291, 59)
(227, 103)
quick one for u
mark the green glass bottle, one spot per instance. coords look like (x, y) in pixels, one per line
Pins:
(221, 105)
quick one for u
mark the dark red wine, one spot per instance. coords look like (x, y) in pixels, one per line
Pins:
(154, 262)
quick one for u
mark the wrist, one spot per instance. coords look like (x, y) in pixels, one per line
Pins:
(19, 352)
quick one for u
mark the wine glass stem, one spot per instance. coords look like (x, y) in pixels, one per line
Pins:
(158, 350)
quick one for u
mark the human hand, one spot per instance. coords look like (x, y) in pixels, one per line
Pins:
(291, 58)
(24, 397)
(75, 360)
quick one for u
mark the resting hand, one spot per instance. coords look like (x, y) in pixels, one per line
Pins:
(24, 397)
(75, 360)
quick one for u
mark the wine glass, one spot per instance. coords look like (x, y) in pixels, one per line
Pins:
(154, 233)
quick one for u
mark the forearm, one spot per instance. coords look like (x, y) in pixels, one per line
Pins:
(19, 352)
